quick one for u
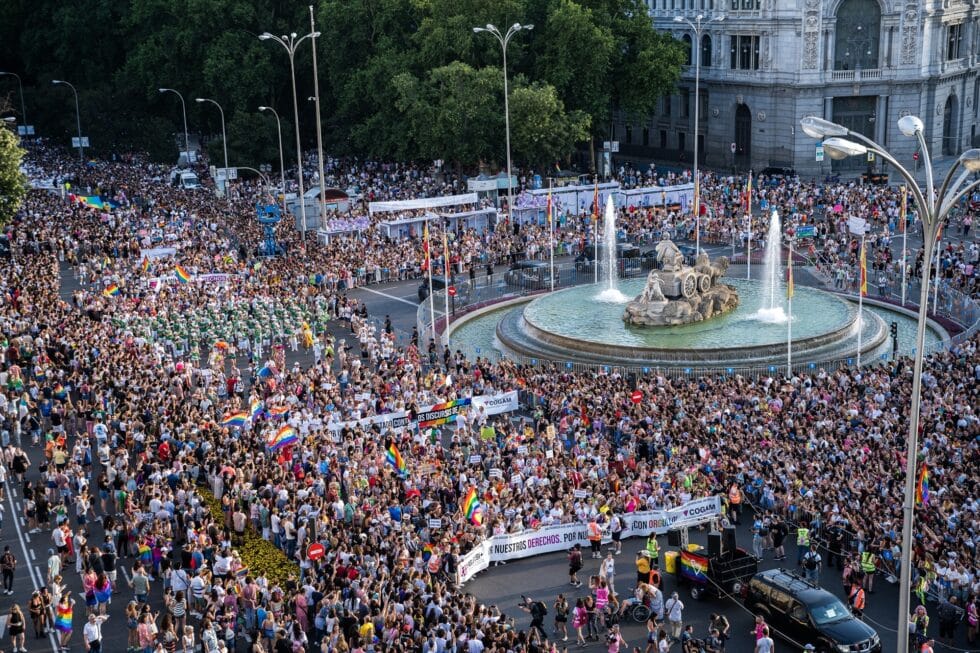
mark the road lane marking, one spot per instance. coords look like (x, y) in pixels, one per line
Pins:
(32, 555)
(389, 296)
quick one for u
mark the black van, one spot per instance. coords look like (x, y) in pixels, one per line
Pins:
(807, 614)
(530, 275)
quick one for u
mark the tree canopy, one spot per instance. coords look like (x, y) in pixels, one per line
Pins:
(13, 183)
(405, 79)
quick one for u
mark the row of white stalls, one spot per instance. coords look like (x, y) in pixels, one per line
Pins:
(530, 207)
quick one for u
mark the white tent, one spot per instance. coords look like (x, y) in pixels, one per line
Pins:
(422, 203)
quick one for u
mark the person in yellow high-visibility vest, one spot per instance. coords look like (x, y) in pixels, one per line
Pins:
(802, 543)
(869, 565)
(653, 548)
(735, 502)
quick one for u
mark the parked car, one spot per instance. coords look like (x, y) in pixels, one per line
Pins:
(803, 612)
(627, 254)
(529, 275)
(439, 286)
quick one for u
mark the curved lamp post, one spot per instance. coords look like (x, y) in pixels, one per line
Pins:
(840, 142)
(504, 39)
(282, 164)
(183, 109)
(224, 139)
(78, 117)
(20, 86)
(290, 42)
(697, 28)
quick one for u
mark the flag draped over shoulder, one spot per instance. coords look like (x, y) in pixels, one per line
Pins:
(864, 272)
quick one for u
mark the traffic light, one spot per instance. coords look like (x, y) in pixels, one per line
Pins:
(894, 329)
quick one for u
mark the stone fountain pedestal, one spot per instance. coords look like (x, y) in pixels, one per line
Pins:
(719, 299)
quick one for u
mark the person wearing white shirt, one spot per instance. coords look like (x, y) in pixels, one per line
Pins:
(92, 633)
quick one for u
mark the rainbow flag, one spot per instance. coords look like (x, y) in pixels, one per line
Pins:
(694, 567)
(182, 275)
(864, 271)
(789, 278)
(145, 552)
(395, 460)
(443, 413)
(472, 507)
(922, 487)
(62, 617)
(242, 573)
(427, 551)
(284, 437)
(59, 391)
(145, 265)
(278, 412)
(236, 420)
(111, 291)
(256, 409)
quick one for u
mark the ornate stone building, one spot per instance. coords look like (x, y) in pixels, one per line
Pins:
(765, 64)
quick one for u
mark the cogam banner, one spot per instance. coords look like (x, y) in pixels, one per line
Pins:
(561, 537)
(435, 415)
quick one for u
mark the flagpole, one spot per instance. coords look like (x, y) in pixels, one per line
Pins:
(428, 267)
(445, 256)
(905, 231)
(789, 317)
(748, 247)
(551, 236)
(595, 219)
(862, 280)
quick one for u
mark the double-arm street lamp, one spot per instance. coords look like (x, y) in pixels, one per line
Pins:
(504, 39)
(290, 42)
(697, 28)
(183, 109)
(839, 143)
(78, 117)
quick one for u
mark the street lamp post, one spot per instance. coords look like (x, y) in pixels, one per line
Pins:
(504, 39)
(78, 117)
(224, 139)
(319, 128)
(282, 164)
(290, 42)
(23, 107)
(696, 45)
(183, 109)
(840, 143)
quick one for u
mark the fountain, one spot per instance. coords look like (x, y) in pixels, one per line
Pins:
(611, 295)
(772, 271)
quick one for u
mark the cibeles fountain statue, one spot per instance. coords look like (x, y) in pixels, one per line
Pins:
(681, 294)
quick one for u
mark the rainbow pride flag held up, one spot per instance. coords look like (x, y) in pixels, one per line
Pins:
(427, 551)
(242, 572)
(111, 291)
(278, 412)
(284, 437)
(694, 567)
(236, 420)
(395, 459)
(472, 508)
(922, 487)
(146, 264)
(443, 413)
(256, 409)
(183, 276)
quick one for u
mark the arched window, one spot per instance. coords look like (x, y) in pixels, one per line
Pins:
(706, 51)
(688, 48)
(950, 127)
(858, 35)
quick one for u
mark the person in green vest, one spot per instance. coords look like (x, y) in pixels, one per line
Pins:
(653, 548)
(802, 543)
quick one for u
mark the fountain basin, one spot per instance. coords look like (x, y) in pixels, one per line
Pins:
(570, 325)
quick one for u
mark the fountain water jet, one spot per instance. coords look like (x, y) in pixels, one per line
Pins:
(772, 268)
(611, 295)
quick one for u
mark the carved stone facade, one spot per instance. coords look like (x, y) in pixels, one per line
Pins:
(910, 33)
(811, 35)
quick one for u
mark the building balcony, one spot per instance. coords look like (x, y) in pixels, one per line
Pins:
(859, 75)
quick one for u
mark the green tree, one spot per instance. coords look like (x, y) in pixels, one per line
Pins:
(13, 182)
(541, 131)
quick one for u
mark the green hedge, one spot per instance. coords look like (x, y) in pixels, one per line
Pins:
(260, 556)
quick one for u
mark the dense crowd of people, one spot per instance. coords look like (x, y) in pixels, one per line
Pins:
(129, 384)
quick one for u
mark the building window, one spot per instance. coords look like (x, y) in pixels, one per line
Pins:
(703, 105)
(681, 141)
(685, 103)
(663, 139)
(705, 60)
(744, 52)
(954, 40)
(629, 134)
(688, 48)
(666, 111)
(646, 137)
(746, 5)
(856, 41)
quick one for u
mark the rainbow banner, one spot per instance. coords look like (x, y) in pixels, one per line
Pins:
(444, 413)
(256, 409)
(472, 507)
(284, 437)
(182, 275)
(111, 291)
(393, 458)
(694, 567)
(236, 420)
